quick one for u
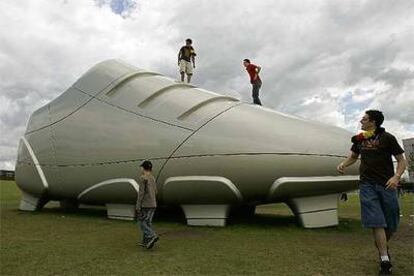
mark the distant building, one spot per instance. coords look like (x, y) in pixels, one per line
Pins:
(409, 155)
(6, 175)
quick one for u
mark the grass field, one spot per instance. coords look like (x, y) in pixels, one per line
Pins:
(52, 242)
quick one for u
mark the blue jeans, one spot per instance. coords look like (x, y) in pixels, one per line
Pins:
(145, 223)
(255, 92)
(379, 206)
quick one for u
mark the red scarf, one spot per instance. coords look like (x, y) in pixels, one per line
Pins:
(366, 135)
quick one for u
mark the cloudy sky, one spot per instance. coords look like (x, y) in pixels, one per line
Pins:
(323, 60)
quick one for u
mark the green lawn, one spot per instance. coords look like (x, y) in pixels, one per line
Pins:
(52, 242)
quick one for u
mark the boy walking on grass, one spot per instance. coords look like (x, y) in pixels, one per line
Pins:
(146, 205)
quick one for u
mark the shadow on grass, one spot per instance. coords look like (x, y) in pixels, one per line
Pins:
(82, 212)
(264, 220)
(169, 215)
(175, 215)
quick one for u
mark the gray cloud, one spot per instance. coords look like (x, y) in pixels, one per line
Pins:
(322, 60)
(396, 77)
(318, 49)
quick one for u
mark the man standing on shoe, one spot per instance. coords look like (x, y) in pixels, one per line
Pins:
(378, 182)
(186, 55)
(253, 71)
(146, 204)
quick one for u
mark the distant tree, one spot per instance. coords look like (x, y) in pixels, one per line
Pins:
(411, 162)
(409, 185)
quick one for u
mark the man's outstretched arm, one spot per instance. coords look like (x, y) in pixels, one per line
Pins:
(351, 159)
(257, 70)
(392, 183)
(179, 56)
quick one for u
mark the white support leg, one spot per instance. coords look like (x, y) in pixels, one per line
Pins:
(121, 211)
(316, 211)
(206, 215)
(31, 203)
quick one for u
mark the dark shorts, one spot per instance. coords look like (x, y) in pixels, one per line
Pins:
(379, 206)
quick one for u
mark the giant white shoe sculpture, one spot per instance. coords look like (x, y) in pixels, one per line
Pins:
(210, 152)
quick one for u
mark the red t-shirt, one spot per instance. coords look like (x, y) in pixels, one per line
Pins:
(251, 69)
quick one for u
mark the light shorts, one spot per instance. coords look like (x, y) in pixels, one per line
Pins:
(186, 67)
(379, 206)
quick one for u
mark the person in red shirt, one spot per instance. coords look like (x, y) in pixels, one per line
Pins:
(255, 80)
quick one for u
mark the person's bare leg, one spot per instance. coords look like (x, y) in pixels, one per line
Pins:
(182, 76)
(380, 241)
(388, 234)
(189, 78)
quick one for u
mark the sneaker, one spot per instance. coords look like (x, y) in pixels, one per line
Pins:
(386, 268)
(152, 241)
(143, 242)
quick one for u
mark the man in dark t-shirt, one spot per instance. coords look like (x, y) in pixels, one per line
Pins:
(378, 182)
(186, 55)
(253, 71)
